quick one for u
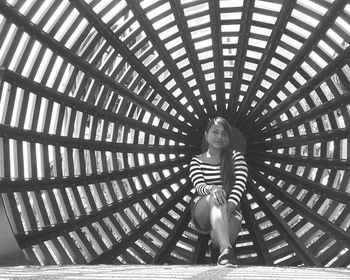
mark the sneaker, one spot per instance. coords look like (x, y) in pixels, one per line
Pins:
(227, 258)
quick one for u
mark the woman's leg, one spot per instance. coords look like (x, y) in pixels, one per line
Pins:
(220, 226)
(209, 215)
(234, 229)
(201, 213)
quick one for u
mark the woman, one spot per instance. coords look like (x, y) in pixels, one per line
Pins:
(219, 176)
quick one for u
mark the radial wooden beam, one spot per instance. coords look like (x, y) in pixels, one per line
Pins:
(289, 235)
(327, 20)
(73, 58)
(242, 49)
(193, 57)
(267, 57)
(315, 218)
(309, 86)
(118, 45)
(107, 257)
(104, 103)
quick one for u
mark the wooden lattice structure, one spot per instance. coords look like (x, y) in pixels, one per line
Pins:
(104, 102)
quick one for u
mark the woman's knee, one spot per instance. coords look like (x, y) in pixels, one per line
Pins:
(201, 212)
(213, 204)
(206, 204)
(202, 205)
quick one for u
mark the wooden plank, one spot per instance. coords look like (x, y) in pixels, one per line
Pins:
(71, 247)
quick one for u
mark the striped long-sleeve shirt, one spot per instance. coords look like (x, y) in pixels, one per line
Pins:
(203, 175)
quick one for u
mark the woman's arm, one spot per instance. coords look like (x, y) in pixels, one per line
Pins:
(202, 188)
(241, 174)
(197, 178)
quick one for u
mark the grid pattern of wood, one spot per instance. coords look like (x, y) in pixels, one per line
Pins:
(104, 102)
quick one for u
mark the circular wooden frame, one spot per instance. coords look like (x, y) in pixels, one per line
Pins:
(103, 104)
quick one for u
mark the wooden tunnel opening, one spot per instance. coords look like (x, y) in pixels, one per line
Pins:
(104, 103)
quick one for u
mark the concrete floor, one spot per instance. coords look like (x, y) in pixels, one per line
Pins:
(170, 272)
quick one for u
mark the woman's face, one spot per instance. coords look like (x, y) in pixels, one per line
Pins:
(217, 137)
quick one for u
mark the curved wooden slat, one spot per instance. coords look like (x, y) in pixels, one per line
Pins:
(104, 103)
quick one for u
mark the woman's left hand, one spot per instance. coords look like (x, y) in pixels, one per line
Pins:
(219, 195)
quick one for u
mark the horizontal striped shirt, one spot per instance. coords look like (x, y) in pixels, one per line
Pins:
(204, 175)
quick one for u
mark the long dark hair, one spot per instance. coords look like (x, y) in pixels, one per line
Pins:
(226, 165)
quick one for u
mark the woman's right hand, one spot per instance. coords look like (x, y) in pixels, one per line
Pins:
(218, 194)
